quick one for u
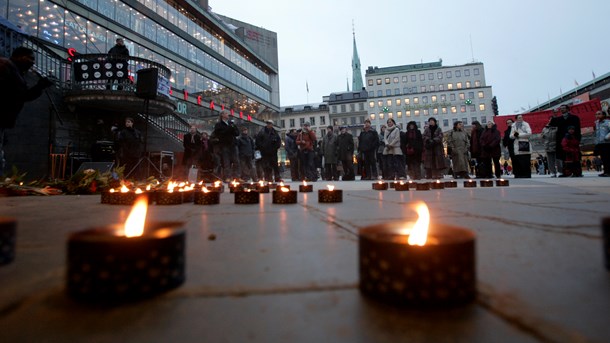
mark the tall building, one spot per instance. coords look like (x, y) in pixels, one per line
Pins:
(416, 92)
(205, 62)
(357, 84)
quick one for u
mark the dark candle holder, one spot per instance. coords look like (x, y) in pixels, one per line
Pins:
(305, 188)
(437, 185)
(423, 186)
(262, 189)
(501, 183)
(236, 188)
(8, 237)
(106, 267)
(412, 185)
(168, 198)
(280, 186)
(328, 196)
(118, 198)
(486, 183)
(247, 197)
(207, 198)
(439, 274)
(392, 184)
(281, 197)
(380, 186)
(188, 196)
(470, 184)
(451, 184)
(606, 236)
(219, 189)
(402, 186)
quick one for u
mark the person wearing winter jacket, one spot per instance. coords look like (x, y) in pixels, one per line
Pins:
(491, 151)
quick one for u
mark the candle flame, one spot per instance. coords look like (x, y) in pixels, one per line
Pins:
(124, 189)
(401, 183)
(261, 183)
(148, 187)
(419, 232)
(281, 183)
(304, 183)
(111, 190)
(235, 183)
(139, 191)
(134, 225)
(438, 181)
(380, 182)
(285, 189)
(330, 187)
(204, 189)
(216, 183)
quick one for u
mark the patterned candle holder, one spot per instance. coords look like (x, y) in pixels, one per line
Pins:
(470, 184)
(284, 196)
(165, 197)
(451, 184)
(247, 197)
(501, 183)
(423, 186)
(412, 185)
(401, 186)
(330, 195)
(392, 184)
(280, 186)
(206, 198)
(188, 195)
(486, 183)
(437, 185)
(380, 186)
(8, 237)
(236, 188)
(114, 197)
(305, 188)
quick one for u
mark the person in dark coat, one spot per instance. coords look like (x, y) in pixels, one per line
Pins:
(224, 135)
(192, 147)
(306, 140)
(292, 153)
(129, 141)
(328, 150)
(268, 141)
(508, 141)
(413, 150)
(475, 145)
(562, 123)
(14, 91)
(368, 141)
(434, 157)
(571, 147)
(245, 148)
(490, 151)
(119, 54)
(345, 153)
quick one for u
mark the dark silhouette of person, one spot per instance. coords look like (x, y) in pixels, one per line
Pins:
(119, 54)
(129, 141)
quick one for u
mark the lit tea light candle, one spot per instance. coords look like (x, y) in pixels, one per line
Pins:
(380, 186)
(217, 187)
(417, 264)
(8, 237)
(330, 195)
(284, 196)
(412, 185)
(392, 184)
(281, 185)
(262, 187)
(188, 193)
(205, 197)
(235, 186)
(470, 184)
(123, 196)
(451, 184)
(502, 183)
(171, 196)
(126, 262)
(486, 183)
(401, 186)
(423, 186)
(437, 185)
(305, 188)
(247, 196)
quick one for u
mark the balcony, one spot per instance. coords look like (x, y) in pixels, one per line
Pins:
(101, 81)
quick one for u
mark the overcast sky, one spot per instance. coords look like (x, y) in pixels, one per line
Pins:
(531, 49)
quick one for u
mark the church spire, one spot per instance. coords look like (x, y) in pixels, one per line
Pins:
(357, 84)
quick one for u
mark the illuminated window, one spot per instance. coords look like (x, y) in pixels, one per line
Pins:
(462, 97)
(397, 102)
(395, 79)
(435, 111)
(390, 115)
(387, 80)
(459, 85)
(450, 86)
(444, 110)
(426, 112)
(378, 82)
(433, 98)
(399, 114)
(369, 82)
(389, 102)
(372, 116)
(416, 100)
(477, 83)
(463, 108)
(453, 109)
(407, 101)
(371, 104)
(408, 113)
(481, 107)
(467, 84)
(380, 103)
(481, 94)
(381, 115)
(416, 113)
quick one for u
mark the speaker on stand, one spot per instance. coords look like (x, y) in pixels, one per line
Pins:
(146, 88)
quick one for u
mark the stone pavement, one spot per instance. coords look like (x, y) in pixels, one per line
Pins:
(289, 273)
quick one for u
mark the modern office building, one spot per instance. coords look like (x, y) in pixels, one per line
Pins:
(416, 92)
(205, 62)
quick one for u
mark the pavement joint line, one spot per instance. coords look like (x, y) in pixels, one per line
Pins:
(330, 219)
(186, 292)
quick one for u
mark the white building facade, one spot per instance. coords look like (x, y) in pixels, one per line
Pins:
(417, 92)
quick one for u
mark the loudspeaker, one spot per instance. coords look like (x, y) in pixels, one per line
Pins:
(147, 83)
(101, 167)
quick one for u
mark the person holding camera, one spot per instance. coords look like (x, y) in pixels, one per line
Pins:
(225, 134)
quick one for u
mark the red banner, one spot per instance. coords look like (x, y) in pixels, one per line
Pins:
(538, 120)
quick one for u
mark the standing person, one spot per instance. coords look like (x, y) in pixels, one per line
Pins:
(434, 159)
(14, 91)
(292, 153)
(306, 140)
(571, 146)
(192, 148)
(491, 151)
(268, 141)
(368, 141)
(602, 142)
(206, 157)
(562, 122)
(521, 132)
(413, 149)
(119, 55)
(129, 141)
(345, 153)
(549, 134)
(475, 146)
(380, 157)
(328, 150)
(225, 134)
(458, 145)
(508, 141)
(392, 152)
(245, 148)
